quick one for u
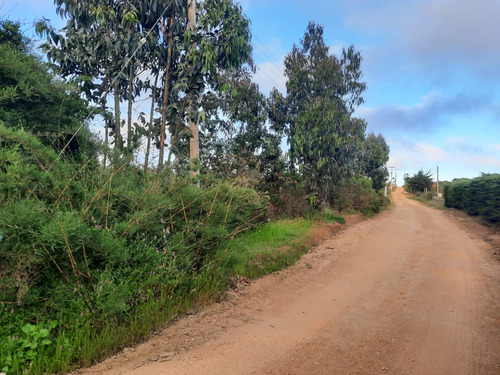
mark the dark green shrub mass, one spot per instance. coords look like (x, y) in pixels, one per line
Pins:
(478, 196)
(84, 244)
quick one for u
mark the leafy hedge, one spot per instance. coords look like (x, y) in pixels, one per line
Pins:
(478, 196)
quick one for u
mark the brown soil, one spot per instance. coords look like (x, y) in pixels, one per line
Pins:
(412, 291)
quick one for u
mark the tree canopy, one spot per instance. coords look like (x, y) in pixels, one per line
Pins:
(109, 47)
(34, 99)
(420, 181)
(322, 92)
(376, 155)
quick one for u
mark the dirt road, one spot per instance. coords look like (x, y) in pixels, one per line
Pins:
(408, 292)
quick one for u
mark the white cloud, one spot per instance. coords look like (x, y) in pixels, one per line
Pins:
(438, 36)
(481, 162)
(269, 58)
(423, 117)
(457, 157)
(431, 153)
(268, 76)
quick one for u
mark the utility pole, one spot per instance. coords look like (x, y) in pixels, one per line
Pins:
(194, 142)
(437, 182)
(392, 176)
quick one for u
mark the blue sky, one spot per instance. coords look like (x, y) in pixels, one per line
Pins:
(431, 67)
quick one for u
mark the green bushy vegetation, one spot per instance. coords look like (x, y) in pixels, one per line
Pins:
(419, 182)
(478, 196)
(97, 251)
(89, 246)
(357, 194)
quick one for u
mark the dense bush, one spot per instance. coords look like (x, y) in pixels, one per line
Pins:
(357, 194)
(479, 196)
(80, 243)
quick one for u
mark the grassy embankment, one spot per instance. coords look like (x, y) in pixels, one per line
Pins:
(93, 260)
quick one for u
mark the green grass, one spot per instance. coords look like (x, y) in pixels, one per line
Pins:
(270, 247)
(257, 253)
(439, 204)
(251, 254)
(331, 217)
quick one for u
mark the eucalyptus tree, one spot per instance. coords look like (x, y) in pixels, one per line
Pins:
(106, 44)
(101, 47)
(322, 92)
(240, 140)
(376, 155)
(219, 42)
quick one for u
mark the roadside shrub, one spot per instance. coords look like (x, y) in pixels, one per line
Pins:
(81, 244)
(478, 196)
(289, 198)
(329, 216)
(357, 194)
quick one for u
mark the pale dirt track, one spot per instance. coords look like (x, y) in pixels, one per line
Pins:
(407, 292)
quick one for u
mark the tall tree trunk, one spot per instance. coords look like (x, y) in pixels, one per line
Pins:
(194, 143)
(106, 134)
(150, 127)
(174, 136)
(118, 136)
(166, 91)
(129, 109)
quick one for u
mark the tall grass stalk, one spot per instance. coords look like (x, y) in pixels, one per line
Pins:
(111, 254)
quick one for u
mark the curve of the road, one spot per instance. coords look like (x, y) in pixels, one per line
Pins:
(408, 292)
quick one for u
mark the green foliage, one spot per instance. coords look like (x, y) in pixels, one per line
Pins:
(322, 92)
(376, 155)
(22, 350)
(10, 33)
(115, 42)
(244, 144)
(83, 243)
(33, 99)
(479, 196)
(357, 194)
(420, 181)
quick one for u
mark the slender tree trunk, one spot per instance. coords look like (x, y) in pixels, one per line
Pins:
(106, 134)
(194, 143)
(129, 109)
(166, 91)
(174, 136)
(150, 127)
(118, 136)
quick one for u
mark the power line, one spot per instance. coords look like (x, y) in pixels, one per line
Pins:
(267, 53)
(127, 62)
(275, 70)
(269, 59)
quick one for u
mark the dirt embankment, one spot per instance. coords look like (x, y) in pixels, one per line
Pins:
(412, 291)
